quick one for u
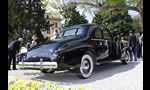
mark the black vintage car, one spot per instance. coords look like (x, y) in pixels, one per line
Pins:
(78, 47)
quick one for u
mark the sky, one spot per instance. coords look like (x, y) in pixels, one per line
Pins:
(133, 13)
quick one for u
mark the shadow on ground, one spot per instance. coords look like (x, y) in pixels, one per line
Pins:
(100, 72)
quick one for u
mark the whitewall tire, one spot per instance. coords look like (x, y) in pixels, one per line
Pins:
(125, 57)
(87, 66)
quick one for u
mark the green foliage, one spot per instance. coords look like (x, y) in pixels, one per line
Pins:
(137, 24)
(117, 21)
(135, 3)
(100, 5)
(26, 15)
(114, 2)
(14, 23)
(72, 16)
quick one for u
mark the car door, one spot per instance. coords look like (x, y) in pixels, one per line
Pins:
(98, 43)
(107, 43)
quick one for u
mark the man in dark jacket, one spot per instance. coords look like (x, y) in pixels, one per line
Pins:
(13, 49)
(132, 45)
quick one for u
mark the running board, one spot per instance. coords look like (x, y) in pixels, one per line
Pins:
(99, 62)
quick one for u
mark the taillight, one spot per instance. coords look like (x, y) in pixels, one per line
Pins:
(52, 60)
(18, 54)
(56, 53)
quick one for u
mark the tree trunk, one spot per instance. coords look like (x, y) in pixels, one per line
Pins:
(141, 13)
(142, 19)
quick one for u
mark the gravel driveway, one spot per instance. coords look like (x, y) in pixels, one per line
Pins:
(110, 76)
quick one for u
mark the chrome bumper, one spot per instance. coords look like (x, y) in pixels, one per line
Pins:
(38, 65)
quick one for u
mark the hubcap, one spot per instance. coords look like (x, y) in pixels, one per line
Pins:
(86, 67)
(126, 57)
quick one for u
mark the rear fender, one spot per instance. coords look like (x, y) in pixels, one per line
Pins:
(78, 49)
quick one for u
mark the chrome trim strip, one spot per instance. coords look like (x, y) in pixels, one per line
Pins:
(98, 39)
(38, 65)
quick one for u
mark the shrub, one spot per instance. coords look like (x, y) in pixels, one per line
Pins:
(19, 84)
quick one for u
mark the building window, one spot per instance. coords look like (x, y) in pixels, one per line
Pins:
(59, 28)
(48, 37)
(56, 25)
(47, 16)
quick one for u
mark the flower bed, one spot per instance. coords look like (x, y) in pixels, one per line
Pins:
(18, 84)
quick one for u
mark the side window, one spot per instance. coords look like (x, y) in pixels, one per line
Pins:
(96, 34)
(106, 34)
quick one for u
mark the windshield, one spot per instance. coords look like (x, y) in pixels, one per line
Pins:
(72, 32)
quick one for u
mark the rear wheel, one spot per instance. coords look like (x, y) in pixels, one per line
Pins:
(87, 65)
(125, 57)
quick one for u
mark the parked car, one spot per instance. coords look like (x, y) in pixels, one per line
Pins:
(78, 47)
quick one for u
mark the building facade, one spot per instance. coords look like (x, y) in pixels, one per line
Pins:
(56, 21)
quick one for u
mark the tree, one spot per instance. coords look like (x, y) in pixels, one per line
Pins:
(117, 21)
(34, 18)
(14, 21)
(137, 24)
(72, 16)
(26, 15)
(136, 5)
(102, 5)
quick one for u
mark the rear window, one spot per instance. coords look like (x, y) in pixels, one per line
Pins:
(70, 32)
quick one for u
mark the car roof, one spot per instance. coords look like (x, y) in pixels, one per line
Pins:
(80, 25)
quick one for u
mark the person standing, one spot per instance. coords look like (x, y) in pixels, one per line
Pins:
(13, 50)
(28, 44)
(123, 43)
(33, 43)
(54, 35)
(141, 42)
(138, 45)
(118, 45)
(132, 45)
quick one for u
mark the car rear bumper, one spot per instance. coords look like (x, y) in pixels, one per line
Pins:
(38, 65)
